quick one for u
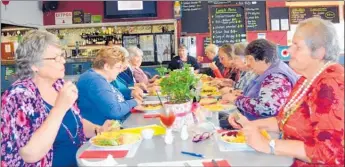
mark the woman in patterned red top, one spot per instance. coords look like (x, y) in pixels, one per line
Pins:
(41, 124)
(265, 95)
(311, 123)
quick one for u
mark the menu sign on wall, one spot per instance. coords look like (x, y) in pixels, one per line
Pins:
(298, 14)
(194, 17)
(227, 24)
(256, 15)
(255, 11)
(78, 17)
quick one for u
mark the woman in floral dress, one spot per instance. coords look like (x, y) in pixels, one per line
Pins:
(41, 124)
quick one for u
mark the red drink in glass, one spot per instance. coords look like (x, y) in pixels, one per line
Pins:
(167, 121)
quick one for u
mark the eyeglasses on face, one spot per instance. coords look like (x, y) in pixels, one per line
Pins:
(58, 58)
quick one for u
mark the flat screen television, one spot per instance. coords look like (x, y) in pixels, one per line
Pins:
(129, 9)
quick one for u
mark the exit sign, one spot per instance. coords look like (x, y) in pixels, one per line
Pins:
(63, 18)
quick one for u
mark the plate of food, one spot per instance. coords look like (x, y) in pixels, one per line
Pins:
(214, 107)
(237, 136)
(149, 106)
(115, 140)
(208, 101)
(210, 91)
(205, 78)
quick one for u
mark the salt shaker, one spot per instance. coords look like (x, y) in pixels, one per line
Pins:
(168, 138)
(184, 132)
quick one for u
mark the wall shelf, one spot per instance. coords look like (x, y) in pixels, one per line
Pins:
(127, 23)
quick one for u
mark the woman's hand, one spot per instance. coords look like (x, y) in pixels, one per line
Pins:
(226, 90)
(67, 96)
(237, 92)
(137, 94)
(142, 86)
(109, 125)
(255, 139)
(154, 78)
(213, 66)
(238, 121)
(229, 97)
(226, 82)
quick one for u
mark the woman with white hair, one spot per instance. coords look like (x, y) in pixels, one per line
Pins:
(135, 60)
(311, 123)
(211, 52)
(39, 111)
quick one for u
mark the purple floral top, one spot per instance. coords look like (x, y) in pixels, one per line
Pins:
(22, 114)
(274, 91)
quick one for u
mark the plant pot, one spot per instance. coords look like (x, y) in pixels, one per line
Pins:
(182, 112)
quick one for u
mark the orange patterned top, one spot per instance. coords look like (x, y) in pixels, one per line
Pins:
(319, 120)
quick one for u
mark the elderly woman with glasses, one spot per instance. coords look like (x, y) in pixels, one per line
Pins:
(311, 123)
(98, 99)
(246, 75)
(265, 95)
(39, 110)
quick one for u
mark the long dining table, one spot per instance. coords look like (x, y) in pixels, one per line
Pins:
(156, 150)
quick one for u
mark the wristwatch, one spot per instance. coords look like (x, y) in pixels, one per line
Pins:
(272, 144)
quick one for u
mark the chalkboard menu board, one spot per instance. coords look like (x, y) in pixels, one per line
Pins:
(227, 24)
(255, 11)
(194, 17)
(298, 14)
(206, 41)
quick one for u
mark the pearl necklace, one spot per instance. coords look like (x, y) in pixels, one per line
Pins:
(288, 108)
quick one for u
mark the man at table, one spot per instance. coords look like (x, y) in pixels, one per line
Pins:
(178, 61)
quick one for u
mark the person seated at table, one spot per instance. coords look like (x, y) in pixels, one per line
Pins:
(135, 60)
(246, 75)
(226, 56)
(41, 124)
(211, 52)
(98, 99)
(178, 61)
(311, 123)
(125, 82)
(227, 84)
(266, 94)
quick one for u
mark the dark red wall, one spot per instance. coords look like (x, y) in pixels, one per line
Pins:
(164, 10)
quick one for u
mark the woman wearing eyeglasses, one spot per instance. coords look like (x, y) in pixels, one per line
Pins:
(98, 99)
(41, 124)
(265, 95)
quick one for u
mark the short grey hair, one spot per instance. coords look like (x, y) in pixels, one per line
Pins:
(212, 48)
(134, 51)
(30, 51)
(320, 33)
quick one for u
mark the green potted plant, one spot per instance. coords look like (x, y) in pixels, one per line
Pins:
(179, 87)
